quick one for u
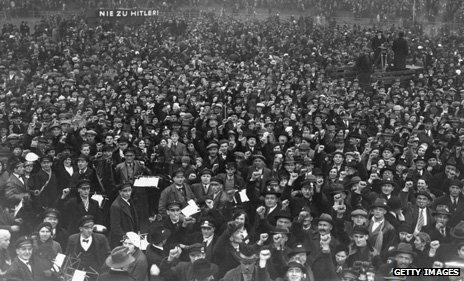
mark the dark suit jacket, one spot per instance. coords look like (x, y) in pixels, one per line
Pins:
(200, 193)
(18, 271)
(177, 152)
(73, 209)
(171, 193)
(411, 216)
(121, 172)
(63, 178)
(15, 189)
(259, 274)
(122, 220)
(89, 174)
(239, 182)
(457, 213)
(50, 193)
(389, 235)
(198, 238)
(103, 248)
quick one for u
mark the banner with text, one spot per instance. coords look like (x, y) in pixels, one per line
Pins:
(126, 13)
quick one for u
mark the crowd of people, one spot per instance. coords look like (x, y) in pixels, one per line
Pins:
(421, 10)
(258, 164)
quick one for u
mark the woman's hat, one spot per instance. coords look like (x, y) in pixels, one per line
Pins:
(45, 224)
(119, 258)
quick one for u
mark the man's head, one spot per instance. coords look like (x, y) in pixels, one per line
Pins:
(404, 255)
(360, 235)
(325, 224)
(86, 226)
(173, 209)
(84, 189)
(206, 176)
(129, 155)
(295, 271)
(207, 228)
(4, 239)
(18, 168)
(359, 217)
(423, 199)
(23, 247)
(125, 191)
(51, 216)
(179, 177)
(196, 252)
(270, 200)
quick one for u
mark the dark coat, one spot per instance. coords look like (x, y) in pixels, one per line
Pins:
(18, 271)
(457, 212)
(63, 178)
(199, 192)
(154, 257)
(181, 271)
(15, 189)
(198, 238)
(223, 254)
(116, 276)
(73, 209)
(123, 219)
(101, 243)
(90, 175)
(260, 274)
(171, 193)
(49, 194)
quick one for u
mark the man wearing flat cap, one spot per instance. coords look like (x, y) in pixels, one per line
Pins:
(177, 150)
(252, 265)
(203, 189)
(454, 200)
(22, 267)
(91, 248)
(44, 182)
(211, 161)
(123, 215)
(84, 172)
(78, 206)
(381, 232)
(206, 236)
(183, 271)
(15, 185)
(359, 249)
(179, 191)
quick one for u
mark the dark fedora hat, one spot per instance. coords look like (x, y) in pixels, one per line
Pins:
(405, 248)
(298, 249)
(380, 203)
(119, 258)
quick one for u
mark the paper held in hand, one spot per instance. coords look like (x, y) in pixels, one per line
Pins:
(147, 182)
(78, 275)
(99, 198)
(191, 209)
(243, 196)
